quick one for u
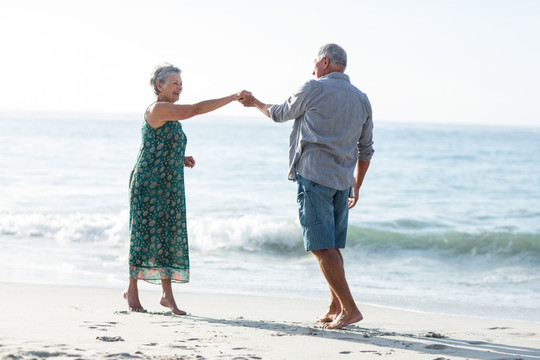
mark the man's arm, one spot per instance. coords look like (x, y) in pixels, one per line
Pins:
(248, 100)
(361, 170)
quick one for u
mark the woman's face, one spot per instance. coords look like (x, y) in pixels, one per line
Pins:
(171, 89)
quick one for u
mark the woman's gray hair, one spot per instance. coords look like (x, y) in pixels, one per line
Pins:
(335, 53)
(161, 73)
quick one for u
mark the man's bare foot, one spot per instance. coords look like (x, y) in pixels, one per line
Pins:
(333, 312)
(171, 304)
(344, 320)
(133, 302)
(329, 316)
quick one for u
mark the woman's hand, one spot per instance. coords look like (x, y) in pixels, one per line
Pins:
(237, 96)
(189, 161)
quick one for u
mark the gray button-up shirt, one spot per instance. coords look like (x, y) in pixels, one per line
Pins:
(333, 128)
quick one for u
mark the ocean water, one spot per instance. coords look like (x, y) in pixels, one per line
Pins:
(448, 219)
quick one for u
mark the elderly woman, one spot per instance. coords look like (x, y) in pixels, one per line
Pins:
(159, 243)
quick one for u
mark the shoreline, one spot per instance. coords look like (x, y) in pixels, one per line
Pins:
(50, 321)
(184, 289)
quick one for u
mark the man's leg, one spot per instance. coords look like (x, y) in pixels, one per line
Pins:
(323, 215)
(334, 309)
(331, 264)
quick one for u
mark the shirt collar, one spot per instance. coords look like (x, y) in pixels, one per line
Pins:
(336, 75)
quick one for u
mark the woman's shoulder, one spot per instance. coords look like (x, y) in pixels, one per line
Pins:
(159, 107)
(151, 115)
(151, 108)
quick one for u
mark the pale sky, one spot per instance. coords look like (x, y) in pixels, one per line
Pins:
(431, 61)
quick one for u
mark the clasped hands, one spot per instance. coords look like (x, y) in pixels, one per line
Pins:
(246, 98)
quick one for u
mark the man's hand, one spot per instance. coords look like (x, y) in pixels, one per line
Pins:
(353, 201)
(246, 98)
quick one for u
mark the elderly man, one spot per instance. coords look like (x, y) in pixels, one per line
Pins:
(331, 137)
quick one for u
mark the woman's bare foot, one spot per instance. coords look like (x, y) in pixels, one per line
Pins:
(171, 304)
(343, 320)
(133, 301)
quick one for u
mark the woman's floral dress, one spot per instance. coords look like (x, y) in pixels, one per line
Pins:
(159, 241)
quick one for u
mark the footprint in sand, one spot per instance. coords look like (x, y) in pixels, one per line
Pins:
(100, 326)
(122, 312)
(437, 347)
(43, 354)
(109, 338)
(435, 335)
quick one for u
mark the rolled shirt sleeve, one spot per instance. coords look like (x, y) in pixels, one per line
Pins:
(365, 143)
(294, 107)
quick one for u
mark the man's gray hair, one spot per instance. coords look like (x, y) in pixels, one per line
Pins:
(335, 53)
(161, 73)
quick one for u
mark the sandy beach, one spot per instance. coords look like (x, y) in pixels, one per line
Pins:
(38, 322)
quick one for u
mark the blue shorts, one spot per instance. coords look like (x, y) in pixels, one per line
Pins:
(324, 214)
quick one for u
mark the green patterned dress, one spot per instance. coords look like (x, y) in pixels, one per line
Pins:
(159, 242)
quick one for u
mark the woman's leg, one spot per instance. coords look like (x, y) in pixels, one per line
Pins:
(131, 294)
(167, 297)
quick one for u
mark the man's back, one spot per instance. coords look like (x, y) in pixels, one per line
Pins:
(332, 116)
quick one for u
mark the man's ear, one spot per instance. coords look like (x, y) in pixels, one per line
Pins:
(326, 62)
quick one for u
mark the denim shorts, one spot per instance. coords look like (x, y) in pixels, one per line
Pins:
(323, 213)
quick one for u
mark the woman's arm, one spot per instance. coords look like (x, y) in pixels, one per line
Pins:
(161, 112)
